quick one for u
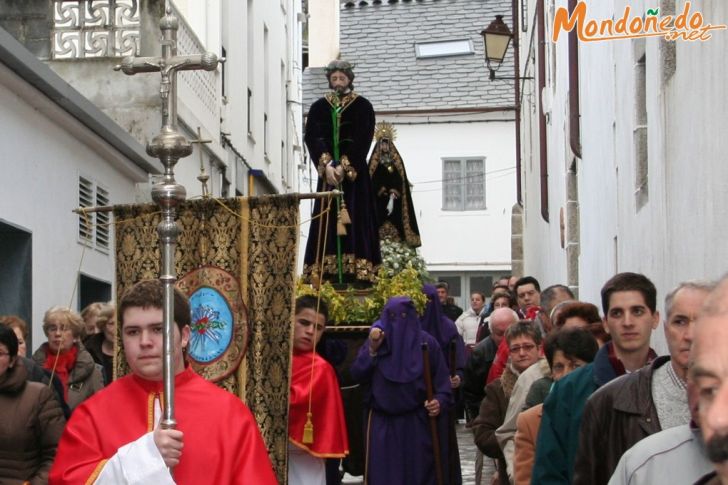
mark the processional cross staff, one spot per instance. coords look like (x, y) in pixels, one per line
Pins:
(169, 146)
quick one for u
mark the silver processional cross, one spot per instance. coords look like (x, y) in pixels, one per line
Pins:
(169, 146)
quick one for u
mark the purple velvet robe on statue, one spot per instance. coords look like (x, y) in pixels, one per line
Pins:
(446, 333)
(360, 247)
(397, 427)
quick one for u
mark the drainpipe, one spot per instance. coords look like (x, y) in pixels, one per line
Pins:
(574, 107)
(517, 94)
(541, 20)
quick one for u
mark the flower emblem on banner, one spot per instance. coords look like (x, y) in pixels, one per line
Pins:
(212, 323)
(219, 324)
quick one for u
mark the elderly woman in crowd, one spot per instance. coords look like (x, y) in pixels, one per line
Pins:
(31, 421)
(20, 328)
(579, 314)
(101, 345)
(65, 357)
(90, 314)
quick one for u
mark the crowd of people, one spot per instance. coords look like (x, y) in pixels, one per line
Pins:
(555, 393)
(65, 420)
(552, 392)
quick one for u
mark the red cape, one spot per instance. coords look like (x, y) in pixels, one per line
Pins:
(222, 443)
(330, 439)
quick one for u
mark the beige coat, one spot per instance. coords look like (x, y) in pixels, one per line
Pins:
(527, 426)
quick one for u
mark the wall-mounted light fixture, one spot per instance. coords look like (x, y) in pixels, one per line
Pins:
(496, 39)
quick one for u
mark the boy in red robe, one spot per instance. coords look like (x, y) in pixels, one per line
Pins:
(316, 423)
(114, 437)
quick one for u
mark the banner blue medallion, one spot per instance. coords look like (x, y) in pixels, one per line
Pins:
(212, 325)
(219, 327)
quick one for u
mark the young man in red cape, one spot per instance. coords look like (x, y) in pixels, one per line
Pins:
(114, 437)
(316, 423)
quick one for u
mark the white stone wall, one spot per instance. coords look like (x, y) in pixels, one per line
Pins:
(45, 151)
(677, 233)
(453, 240)
(276, 93)
(323, 31)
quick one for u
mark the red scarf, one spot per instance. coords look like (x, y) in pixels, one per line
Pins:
(66, 363)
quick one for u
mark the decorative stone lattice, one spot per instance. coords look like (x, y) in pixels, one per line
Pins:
(95, 28)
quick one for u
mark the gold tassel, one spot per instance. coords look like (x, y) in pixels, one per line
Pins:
(308, 430)
(345, 219)
(340, 229)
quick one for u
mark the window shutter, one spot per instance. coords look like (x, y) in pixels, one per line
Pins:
(102, 219)
(85, 199)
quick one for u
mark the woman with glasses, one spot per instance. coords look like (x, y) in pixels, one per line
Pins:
(65, 357)
(524, 345)
(31, 421)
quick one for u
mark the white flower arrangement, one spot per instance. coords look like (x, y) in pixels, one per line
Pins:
(396, 256)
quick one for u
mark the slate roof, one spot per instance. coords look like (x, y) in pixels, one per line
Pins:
(379, 37)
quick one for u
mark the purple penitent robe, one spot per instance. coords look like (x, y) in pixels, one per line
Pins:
(397, 427)
(445, 332)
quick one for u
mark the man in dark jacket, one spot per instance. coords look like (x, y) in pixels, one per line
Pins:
(451, 310)
(629, 301)
(642, 403)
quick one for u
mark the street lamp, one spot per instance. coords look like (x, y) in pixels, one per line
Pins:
(496, 38)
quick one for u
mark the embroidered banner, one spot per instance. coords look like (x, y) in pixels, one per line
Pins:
(236, 259)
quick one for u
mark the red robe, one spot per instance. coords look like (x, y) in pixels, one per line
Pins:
(330, 439)
(222, 443)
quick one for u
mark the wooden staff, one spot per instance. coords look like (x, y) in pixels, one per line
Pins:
(452, 356)
(433, 419)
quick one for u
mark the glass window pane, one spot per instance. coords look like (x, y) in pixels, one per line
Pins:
(452, 185)
(453, 283)
(475, 189)
(482, 284)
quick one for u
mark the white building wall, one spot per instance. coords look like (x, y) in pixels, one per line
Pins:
(675, 234)
(294, 95)
(276, 92)
(695, 114)
(45, 152)
(454, 240)
(323, 31)
(545, 256)
(271, 69)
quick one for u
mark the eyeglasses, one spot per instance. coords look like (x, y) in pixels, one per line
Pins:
(525, 347)
(4, 354)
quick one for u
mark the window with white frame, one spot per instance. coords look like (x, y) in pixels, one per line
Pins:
(93, 227)
(463, 184)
